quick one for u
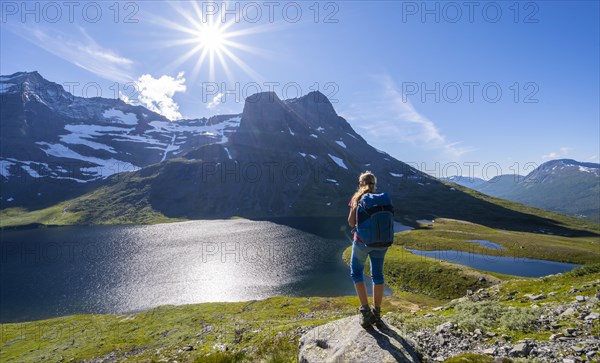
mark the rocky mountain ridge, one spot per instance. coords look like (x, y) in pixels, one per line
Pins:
(53, 141)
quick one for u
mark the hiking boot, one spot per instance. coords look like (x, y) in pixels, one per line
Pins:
(366, 318)
(377, 314)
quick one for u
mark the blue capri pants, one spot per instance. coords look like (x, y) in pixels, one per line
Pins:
(360, 251)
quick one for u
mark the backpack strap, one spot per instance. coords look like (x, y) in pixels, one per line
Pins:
(361, 217)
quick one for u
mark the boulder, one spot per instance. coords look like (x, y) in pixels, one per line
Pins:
(592, 316)
(568, 312)
(447, 326)
(345, 340)
(520, 350)
(533, 297)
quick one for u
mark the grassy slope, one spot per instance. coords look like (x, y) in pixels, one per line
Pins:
(447, 234)
(268, 330)
(257, 330)
(114, 204)
(561, 219)
(508, 311)
(263, 330)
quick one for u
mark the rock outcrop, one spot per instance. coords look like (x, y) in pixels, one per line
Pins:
(345, 340)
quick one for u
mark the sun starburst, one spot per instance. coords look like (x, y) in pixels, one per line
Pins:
(211, 40)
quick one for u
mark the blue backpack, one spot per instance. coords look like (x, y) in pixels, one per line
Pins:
(375, 220)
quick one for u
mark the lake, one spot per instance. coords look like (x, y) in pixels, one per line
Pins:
(48, 272)
(511, 265)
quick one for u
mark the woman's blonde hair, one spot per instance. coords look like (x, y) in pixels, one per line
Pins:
(366, 184)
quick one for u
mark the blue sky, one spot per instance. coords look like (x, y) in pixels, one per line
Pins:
(495, 87)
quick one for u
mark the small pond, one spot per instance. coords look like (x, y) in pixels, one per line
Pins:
(511, 265)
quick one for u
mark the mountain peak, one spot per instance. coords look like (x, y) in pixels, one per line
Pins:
(263, 97)
(22, 77)
(313, 103)
(264, 107)
(566, 163)
(31, 83)
(264, 112)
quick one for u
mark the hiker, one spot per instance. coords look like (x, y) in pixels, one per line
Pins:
(366, 184)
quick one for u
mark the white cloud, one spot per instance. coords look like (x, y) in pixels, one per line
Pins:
(156, 94)
(127, 100)
(215, 101)
(391, 117)
(561, 153)
(85, 53)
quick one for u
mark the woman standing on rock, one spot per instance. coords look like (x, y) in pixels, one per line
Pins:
(366, 184)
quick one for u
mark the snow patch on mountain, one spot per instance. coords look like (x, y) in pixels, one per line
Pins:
(170, 147)
(6, 164)
(71, 178)
(217, 131)
(4, 87)
(105, 167)
(228, 153)
(80, 135)
(589, 170)
(31, 171)
(37, 169)
(341, 143)
(338, 161)
(139, 138)
(396, 175)
(4, 167)
(119, 116)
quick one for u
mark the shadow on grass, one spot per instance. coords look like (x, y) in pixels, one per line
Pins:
(457, 204)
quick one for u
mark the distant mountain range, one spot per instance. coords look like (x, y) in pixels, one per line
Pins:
(465, 181)
(105, 161)
(565, 186)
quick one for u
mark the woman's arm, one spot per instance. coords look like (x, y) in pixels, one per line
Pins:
(352, 217)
